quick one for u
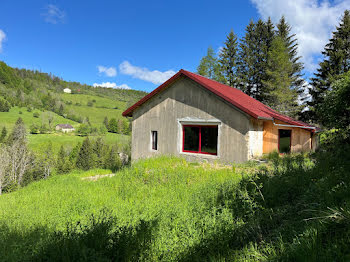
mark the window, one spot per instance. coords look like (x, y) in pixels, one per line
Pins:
(200, 139)
(154, 140)
(284, 140)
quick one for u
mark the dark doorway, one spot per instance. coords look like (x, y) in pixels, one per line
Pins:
(284, 140)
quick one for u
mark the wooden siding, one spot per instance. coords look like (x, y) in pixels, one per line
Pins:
(301, 138)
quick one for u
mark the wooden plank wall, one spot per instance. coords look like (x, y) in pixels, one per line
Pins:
(301, 138)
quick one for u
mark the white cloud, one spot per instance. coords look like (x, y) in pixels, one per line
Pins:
(54, 15)
(155, 77)
(108, 71)
(312, 21)
(2, 38)
(111, 85)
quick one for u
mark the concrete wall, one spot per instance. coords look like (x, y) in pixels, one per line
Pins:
(186, 102)
(256, 138)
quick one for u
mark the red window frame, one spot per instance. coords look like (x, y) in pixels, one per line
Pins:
(200, 139)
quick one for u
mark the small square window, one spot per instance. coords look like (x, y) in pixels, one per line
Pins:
(154, 140)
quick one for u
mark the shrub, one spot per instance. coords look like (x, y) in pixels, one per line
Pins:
(4, 105)
(36, 114)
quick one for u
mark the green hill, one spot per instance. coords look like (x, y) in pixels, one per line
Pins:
(37, 97)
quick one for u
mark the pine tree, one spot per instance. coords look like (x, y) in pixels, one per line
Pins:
(3, 134)
(85, 156)
(284, 31)
(281, 95)
(210, 67)
(336, 62)
(105, 122)
(98, 150)
(112, 160)
(228, 58)
(253, 55)
(61, 161)
(18, 133)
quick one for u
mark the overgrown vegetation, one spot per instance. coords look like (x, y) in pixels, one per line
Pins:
(294, 209)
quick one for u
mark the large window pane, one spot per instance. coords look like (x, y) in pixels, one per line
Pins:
(191, 138)
(209, 139)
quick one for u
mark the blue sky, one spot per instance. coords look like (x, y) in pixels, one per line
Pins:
(139, 44)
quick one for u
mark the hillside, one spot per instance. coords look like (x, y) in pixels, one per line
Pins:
(293, 209)
(37, 97)
(37, 90)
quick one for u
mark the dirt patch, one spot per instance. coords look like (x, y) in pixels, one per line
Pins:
(95, 178)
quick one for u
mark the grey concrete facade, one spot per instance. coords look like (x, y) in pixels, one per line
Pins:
(186, 102)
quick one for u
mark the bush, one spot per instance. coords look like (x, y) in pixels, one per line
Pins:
(4, 105)
(34, 129)
(36, 114)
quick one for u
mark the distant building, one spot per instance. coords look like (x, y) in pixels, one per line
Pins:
(67, 90)
(65, 128)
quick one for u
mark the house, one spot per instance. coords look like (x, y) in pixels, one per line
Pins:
(65, 128)
(192, 116)
(67, 90)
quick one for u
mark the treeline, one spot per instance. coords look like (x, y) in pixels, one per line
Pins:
(20, 166)
(264, 64)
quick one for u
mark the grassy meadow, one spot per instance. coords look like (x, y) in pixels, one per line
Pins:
(8, 119)
(39, 142)
(97, 111)
(294, 208)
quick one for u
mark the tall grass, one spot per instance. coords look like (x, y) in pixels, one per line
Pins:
(165, 209)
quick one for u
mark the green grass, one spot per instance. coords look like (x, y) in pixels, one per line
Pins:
(95, 115)
(100, 101)
(103, 107)
(181, 197)
(38, 143)
(8, 119)
(295, 208)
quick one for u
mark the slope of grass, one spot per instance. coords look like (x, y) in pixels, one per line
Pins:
(96, 115)
(8, 119)
(180, 196)
(101, 102)
(38, 143)
(165, 209)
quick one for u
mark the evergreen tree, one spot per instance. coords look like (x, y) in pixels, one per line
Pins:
(228, 58)
(253, 56)
(281, 95)
(105, 122)
(210, 67)
(85, 156)
(336, 62)
(18, 133)
(4, 105)
(61, 161)
(112, 160)
(98, 151)
(61, 110)
(3, 134)
(284, 31)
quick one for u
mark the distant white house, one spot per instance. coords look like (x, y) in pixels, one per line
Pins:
(67, 90)
(65, 128)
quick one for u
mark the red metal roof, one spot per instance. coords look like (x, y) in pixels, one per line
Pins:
(232, 95)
